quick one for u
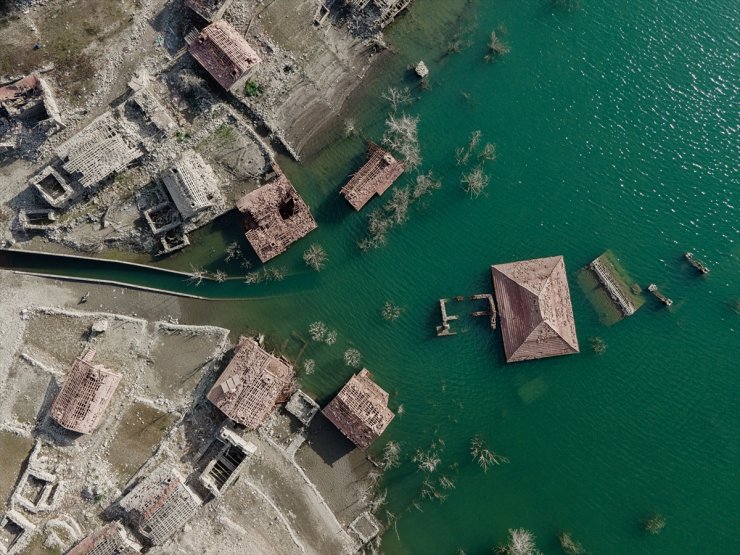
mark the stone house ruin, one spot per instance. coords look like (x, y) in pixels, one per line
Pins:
(192, 185)
(374, 178)
(15, 533)
(210, 10)
(37, 490)
(360, 410)
(382, 12)
(275, 217)
(223, 470)
(224, 53)
(252, 384)
(534, 308)
(160, 505)
(302, 407)
(30, 99)
(87, 391)
(97, 152)
(111, 539)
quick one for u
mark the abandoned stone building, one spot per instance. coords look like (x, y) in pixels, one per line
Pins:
(534, 308)
(252, 384)
(87, 391)
(374, 178)
(38, 490)
(360, 410)
(210, 10)
(29, 99)
(233, 452)
(15, 533)
(302, 407)
(111, 539)
(275, 217)
(97, 152)
(160, 505)
(382, 12)
(192, 185)
(223, 53)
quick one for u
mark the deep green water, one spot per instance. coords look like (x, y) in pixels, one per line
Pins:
(616, 127)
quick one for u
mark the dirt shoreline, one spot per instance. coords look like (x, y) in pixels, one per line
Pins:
(294, 504)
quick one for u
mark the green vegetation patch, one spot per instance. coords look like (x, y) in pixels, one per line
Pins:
(253, 89)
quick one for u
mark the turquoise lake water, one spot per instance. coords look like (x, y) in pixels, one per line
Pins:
(616, 127)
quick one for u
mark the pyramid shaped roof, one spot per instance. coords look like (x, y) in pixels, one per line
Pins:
(534, 305)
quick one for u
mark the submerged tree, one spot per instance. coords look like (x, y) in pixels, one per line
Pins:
(197, 275)
(331, 337)
(397, 97)
(309, 366)
(352, 357)
(569, 545)
(425, 184)
(521, 542)
(655, 524)
(391, 455)
(220, 276)
(496, 48)
(401, 136)
(317, 330)
(426, 460)
(349, 127)
(315, 257)
(484, 456)
(391, 311)
(598, 345)
(475, 182)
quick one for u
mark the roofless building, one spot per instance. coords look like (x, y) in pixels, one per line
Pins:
(360, 410)
(535, 309)
(108, 540)
(87, 391)
(374, 178)
(275, 217)
(252, 384)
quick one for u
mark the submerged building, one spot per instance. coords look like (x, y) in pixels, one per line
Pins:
(224, 53)
(160, 505)
(275, 217)
(360, 410)
(374, 178)
(111, 539)
(87, 391)
(534, 308)
(252, 384)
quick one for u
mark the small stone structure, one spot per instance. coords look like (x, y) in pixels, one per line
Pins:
(30, 98)
(534, 306)
(421, 70)
(160, 505)
(192, 185)
(384, 11)
(374, 178)
(444, 329)
(224, 53)
(38, 490)
(15, 533)
(360, 410)
(366, 527)
(88, 389)
(210, 10)
(32, 220)
(223, 470)
(302, 407)
(252, 384)
(607, 276)
(111, 539)
(275, 217)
